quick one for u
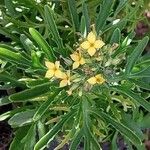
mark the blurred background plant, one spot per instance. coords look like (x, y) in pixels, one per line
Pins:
(38, 110)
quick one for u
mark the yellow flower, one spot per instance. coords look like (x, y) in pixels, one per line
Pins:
(91, 44)
(96, 79)
(53, 69)
(65, 79)
(78, 59)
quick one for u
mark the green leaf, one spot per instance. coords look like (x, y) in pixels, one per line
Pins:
(142, 73)
(8, 114)
(19, 134)
(5, 32)
(6, 77)
(5, 115)
(141, 84)
(128, 121)
(13, 57)
(11, 8)
(86, 16)
(53, 28)
(121, 5)
(87, 125)
(145, 122)
(36, 60)
(74, 14)
(136, 54)
(48, 51)
(30, 139)
(41, 128)
(36, 82)
(114, 141)
(83, 29)
(21, 118)
(31, 93)
(45, 106)
(145, 104)
(27, 43)
(56, 128)
(4, 101)
(76, 140)
(103, 14)
(118, 126)
(116, 36)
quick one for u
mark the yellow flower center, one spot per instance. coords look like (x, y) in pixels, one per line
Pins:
(91, 44)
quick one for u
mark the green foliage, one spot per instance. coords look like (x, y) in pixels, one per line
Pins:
(90, 114)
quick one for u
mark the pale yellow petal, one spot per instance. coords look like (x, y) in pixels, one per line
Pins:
(99, 44)
(82, 61)
(57, 64)
(85, 45)
(92, 80)
(58, 74)
(49, 74)
(63, 83)
(63, 76)
(99, 76)
(91, 37)
(68, 73)
(49, 65)
(75, 65)
(75, 57)
(91, 51)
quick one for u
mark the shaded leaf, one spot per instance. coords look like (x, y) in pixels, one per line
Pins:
(119, 126)
(145, 104)
(103, 14)
(21, 118)
(31, 93)
(74, 14)
(135, 54)
(56, 128)
(48, 51)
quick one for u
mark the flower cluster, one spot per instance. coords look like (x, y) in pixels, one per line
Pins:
(80, 71)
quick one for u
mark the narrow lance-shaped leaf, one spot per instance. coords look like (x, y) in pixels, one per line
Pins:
(27, 43)
(119, 126)
(135, 54)
(14, 57)
(19, 135)
(76, 140)
(4, 101)
(141, 83)
(83, 28)
(30, 138)
(21, 118)
(74, 14)
(6, 77)
(142, 73)
(115, 36)
(121, 5)
(53, 28)
(145, 104)
(45, 106)
(31, 93)
(87, 125)
(86, 16)
(103, 14)
(48, 51)
(11, 8)
(5, 32)
(41, 144)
